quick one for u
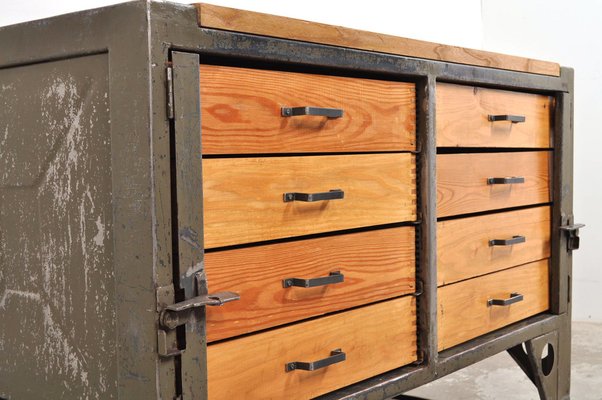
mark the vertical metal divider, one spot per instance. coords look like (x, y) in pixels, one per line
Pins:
(426, 267)
(561, 264)
(189, 188)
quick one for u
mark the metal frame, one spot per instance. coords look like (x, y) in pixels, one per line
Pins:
(142, 40)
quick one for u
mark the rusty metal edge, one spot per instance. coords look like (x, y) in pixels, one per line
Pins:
(189, 221)
(562, 260)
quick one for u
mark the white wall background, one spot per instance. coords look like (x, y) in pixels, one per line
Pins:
(565, 31)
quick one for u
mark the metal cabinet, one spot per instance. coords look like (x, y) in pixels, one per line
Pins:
(104, 290)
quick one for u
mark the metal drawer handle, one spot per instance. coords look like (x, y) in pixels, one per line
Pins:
(317, 111)
(336, 356)
(508, 242)
(506, 180)
(333, 194)
(514, 298)
(512, 118)
(333, 277)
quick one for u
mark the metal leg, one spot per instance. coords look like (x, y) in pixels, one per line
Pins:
(542, 371)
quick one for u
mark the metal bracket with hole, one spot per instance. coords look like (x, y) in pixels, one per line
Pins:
(541, 370)
(573, 235)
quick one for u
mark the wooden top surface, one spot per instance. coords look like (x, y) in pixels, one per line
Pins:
(230, 19)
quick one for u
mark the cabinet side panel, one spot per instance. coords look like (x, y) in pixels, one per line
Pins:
(57, 289)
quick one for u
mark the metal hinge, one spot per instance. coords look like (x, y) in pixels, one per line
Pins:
(572, 231)
(170, 96)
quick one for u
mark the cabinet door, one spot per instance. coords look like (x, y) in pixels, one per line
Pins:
(57, 251)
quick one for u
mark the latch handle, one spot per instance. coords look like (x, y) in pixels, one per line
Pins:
(572, 231)
(177, 314)
(215, 299)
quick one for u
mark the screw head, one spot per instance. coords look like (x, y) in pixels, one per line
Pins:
(170, 320)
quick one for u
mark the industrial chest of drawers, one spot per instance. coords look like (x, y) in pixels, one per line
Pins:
(205, 203)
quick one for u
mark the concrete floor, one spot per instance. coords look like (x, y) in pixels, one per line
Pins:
(499, 377)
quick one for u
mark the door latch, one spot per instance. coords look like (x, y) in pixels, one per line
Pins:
(178, 314)
(173, 315)
(572, 230)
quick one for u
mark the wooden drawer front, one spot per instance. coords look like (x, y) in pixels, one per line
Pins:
(243, 197)
(241, 112)
(463, 118)
(464, 312)
(464, 249)
(375, 339)
(462, 181)
(375, 265)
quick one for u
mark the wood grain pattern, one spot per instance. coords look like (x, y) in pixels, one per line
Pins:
(462, 181)
(463, 249)
(463, 311)
(375, 338)
(462, 118)
(230, 19)
(241, 112)
(376, 265)
(243, 197)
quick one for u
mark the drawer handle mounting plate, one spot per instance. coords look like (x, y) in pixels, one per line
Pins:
(514, 298)
(315, 111)
(336, 356)
(333, 277)
(334, 194)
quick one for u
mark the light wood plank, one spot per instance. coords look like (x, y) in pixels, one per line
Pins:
(463, 249)
(375, 338)
(462, 118)
(241, 112)
(230, 19)
(462, 181)
(463, 311)
(376, 265)
(243, 197)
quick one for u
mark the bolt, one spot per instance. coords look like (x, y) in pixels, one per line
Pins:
(170, 319)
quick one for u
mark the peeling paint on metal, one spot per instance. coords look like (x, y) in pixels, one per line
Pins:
(12, 292)
(100, 236)
(194, 269)
(55, 199)
(191, 237)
